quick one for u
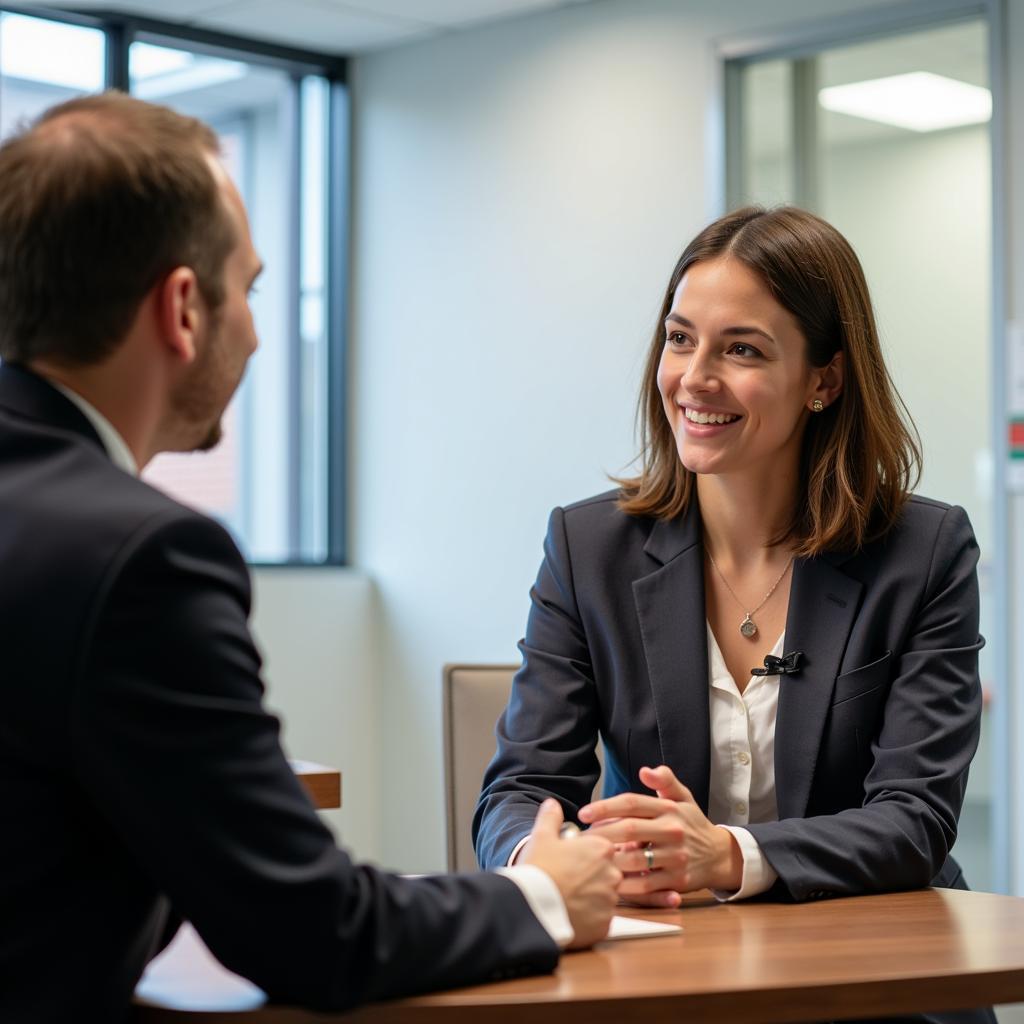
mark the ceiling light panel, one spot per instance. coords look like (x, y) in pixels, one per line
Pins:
(919, 101)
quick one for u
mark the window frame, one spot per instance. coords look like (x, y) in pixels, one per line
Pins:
(120, 31)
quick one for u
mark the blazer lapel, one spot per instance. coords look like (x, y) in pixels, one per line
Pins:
(670, 606)
(822, 604)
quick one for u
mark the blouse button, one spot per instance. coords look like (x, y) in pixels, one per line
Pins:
(743, 757)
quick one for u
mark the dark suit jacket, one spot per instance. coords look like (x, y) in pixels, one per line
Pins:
(141, 776)
(873, 738)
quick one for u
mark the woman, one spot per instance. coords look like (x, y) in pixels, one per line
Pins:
(771, 530)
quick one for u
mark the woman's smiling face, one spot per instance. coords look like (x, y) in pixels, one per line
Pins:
(734, 376)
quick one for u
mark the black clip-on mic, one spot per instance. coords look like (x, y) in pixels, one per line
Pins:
(787, 665)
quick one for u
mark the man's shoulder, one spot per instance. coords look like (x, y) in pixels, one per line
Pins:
(75, 501)
(104, 490)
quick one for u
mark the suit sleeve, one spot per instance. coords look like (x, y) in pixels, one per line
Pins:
(914, 786)
(175, 749)
(548, 733)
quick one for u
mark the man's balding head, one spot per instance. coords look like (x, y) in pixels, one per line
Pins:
(100, 198)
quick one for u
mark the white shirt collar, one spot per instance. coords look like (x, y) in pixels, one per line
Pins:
(119, 452)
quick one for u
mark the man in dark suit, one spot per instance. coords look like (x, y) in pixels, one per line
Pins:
(142, 780)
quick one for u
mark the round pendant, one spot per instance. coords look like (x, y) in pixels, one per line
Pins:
(748, 628)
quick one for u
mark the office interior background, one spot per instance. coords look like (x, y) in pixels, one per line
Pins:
(469, 210)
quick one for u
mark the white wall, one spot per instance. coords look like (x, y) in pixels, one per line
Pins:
(521, 193)
(316, 629)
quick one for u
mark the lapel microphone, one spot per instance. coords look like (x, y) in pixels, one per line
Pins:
(787, 665)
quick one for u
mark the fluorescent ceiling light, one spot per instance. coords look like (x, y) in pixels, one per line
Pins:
(919, 101)
(35, 50)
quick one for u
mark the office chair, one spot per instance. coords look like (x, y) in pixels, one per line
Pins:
(474, 697)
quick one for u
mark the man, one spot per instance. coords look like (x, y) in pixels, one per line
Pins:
(141, 779)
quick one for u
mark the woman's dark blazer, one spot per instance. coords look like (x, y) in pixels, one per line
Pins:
(874, 735)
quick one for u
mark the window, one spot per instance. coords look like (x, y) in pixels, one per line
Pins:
(276, 479)
(45, 62)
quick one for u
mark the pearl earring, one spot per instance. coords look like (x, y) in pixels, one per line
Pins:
(817, 405)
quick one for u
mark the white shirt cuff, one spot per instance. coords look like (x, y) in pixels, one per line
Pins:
(758, 875)
(544, 899)
(517, 849)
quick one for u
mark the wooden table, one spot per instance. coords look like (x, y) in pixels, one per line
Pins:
(934, 949)
(323, 784)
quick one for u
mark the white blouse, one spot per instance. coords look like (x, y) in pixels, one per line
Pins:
(742, 789)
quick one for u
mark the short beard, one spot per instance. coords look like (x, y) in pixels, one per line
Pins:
(213, 438)
(197, 396)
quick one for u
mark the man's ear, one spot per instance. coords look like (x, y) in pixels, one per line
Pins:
(180, 311)
(829, 384)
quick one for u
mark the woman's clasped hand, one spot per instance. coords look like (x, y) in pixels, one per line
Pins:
(665, 844)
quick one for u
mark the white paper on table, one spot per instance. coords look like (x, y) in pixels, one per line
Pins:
(635, 928)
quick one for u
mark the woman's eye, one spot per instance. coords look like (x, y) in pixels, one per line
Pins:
(746, 351)
(675, 338)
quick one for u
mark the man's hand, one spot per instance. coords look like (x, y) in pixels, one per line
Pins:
(582, 869)
(665, 844)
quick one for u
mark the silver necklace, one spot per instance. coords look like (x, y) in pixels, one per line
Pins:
(748, 627)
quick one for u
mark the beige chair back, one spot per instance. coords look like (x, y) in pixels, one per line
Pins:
(474, 698)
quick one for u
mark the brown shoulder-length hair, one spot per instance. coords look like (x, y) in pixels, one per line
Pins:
(861, 456)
